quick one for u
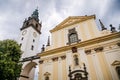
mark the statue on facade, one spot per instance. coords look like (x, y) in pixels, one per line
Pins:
(76, 60)
(112, 28)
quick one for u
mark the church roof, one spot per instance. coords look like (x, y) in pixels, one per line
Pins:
(71, 20)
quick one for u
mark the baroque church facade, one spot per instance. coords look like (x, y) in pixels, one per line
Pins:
(77, 50)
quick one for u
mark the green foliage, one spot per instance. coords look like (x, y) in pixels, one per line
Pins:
(9, 60)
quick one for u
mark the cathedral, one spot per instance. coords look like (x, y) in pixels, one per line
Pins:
(78, 50)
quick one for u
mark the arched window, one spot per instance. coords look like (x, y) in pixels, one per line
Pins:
(46, 77)
(73, 38)
(76, 60)
(118, 71)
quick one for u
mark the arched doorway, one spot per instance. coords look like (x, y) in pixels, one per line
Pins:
(28, 71)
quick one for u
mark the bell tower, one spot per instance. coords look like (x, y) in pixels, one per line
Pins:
(30, 34)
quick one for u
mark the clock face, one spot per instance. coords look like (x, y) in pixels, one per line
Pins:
(34, 34)
(24, 32)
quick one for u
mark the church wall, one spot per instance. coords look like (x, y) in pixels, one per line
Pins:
(55, 70)
(97, 67)
(111, 56)
(24, 43)
(64, 73)
(98, 57)
(60, 71)
(100, 63)
(104, 67)
(53, 65)
(91, 70)
(86, 30)
(93, 28)
(68, 61)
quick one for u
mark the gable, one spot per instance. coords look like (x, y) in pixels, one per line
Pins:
(71, 20)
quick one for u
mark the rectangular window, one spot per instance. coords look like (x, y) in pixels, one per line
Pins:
(22, 38)
(32, 47)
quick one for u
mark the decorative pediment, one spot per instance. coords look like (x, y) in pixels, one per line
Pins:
(68, 21)
(116, 62)
(71, 20)
(47, 74)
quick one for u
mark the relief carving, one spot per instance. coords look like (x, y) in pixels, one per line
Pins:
(55, 59)
(98, 49)
(74, 49)
(88, 51)
(41, 61)
(63, 57)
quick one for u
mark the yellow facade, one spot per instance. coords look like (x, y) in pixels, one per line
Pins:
(97, 52)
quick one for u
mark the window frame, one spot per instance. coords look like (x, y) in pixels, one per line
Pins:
(75, 39)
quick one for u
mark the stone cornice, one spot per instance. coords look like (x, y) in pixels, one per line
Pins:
(82, 44)
(32, 27)
(68, 21)
(24, 76)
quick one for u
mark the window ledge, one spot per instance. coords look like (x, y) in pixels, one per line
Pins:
(69, 43)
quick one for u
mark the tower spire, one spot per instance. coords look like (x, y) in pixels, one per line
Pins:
(102, 25)
(35, 14)
(33, 21)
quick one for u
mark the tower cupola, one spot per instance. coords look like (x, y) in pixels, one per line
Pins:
(35, 15)
(33, 21)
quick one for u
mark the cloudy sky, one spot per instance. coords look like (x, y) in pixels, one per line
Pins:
(52, 12)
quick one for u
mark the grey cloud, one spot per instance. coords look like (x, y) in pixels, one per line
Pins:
(53, 12)
(112, 14)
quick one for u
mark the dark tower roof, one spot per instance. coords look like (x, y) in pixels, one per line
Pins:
(33, 21)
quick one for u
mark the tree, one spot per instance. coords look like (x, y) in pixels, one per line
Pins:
(9, 60)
